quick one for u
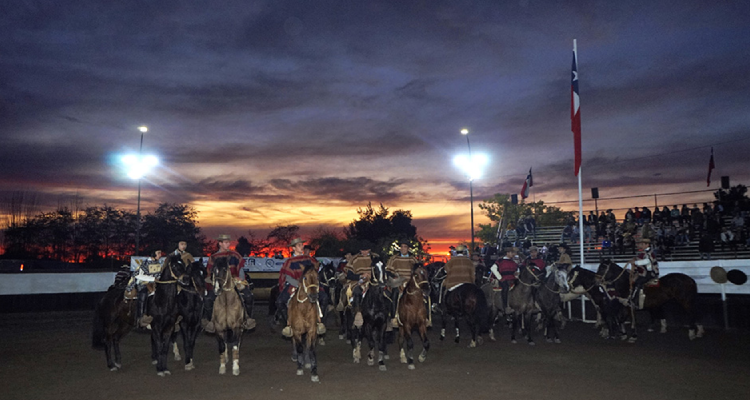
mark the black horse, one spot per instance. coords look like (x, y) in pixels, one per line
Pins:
(190, 307)
(163, 308)
(114, 317)
(675, 287)
(330, 290)
(374, 307)
(582, 282)
(465, 301)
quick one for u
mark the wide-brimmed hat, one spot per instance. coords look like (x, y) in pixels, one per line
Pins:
(643, 240)
(223, 237)
(404, 242)
(460, 247)
(296, 241)
(718, 275)
(737, 277)
(365, 245)
(533, 248)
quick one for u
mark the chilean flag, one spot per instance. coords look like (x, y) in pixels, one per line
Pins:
(526, 185)
(575, 112)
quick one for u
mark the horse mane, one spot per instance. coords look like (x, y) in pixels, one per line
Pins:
(170, 259)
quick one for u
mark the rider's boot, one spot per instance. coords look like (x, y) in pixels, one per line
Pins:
(394, 308)
(247, 301)
(144, 320)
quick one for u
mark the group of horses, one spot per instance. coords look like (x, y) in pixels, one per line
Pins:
(176, 305)
(535, 301)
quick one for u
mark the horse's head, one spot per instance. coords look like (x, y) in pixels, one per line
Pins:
(221, 276)
(327, 275)
(377, 269)
(561, 279)
(174, 269)
(604, 270)
(310, 284)
(421, 279)
(197, 273)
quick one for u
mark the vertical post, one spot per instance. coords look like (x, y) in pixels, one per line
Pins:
(580, 217)
(138, 207)
(471, 197)
(724, 306)
(656, 203)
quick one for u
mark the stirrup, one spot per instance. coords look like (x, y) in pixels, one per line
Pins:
(287, 331)
(145, 320)
(321, 328)
(208, 326)
(248, 324)
(394, 322)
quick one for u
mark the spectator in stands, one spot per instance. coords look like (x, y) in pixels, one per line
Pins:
(674, 214)
(628, 242)
(606, 246)
(531, 225)
(682, 238)
(611, 217)
(657, 217)
(619, 242)
(567, 232)
(685, 214)
(666, 215)
(698, 221)
(738, 223)
(707, 209)
(727, 240)
(629, 215)
(706, 247)
(645, 215)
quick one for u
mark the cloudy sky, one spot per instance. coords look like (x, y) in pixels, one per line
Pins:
(269, 112)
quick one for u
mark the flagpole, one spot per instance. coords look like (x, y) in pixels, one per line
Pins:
(580, 190)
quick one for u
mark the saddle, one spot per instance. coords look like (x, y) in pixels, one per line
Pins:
(497, 288)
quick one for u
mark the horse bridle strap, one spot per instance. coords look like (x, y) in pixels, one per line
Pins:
(176, 278)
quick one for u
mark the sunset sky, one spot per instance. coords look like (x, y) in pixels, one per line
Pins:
(299, 112)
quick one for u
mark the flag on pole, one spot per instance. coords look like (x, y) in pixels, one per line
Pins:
(575, 112)
(529, 182)
(711, 167)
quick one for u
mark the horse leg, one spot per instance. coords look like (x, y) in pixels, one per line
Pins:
(108, 353)
(372, 342)
(189, 335)
(313, 360)
(154, 350)
(356, 343)
(116, 348)
(381, 342)
(634, 332)
(513, 328)
(457, 338)
(527, 317)
(401, 343)
(222, 355)
(442, 330)
(425, 342)
(236, 358)
(410, 351)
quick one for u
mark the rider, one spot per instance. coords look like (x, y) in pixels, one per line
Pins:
(401, 265)
(290, 277)
(459, 270)
(358, 272)
(505, 270)
(564, 262)
(236, 263)
(187, 258)
(123, 279)
(535, 261)
(645, 266)
(148, 271)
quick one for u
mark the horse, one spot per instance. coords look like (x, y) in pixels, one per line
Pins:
(412, 314)
(163, 308)
(374, 310)
(114, 317)
(582, 282)
(190, 307)
(465, 301)
(304, 312)
(329, 292)
(228, 315)
(548, 299)
(676, 287)
(521, 301)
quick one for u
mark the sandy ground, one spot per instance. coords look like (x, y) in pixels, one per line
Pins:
(48, 356)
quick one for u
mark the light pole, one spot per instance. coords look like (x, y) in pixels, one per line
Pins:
(137, 167)
(465, 132)
(472, 167)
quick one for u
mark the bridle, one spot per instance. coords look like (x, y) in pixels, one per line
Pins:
(601, 277)
(418, 284)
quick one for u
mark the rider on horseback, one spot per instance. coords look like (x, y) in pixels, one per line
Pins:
(459, 270)
(645, 266)
(505, 270)
(181, 251)
(358, 271)
(148, 271)
(400, 265)
(290, 277)
(235, 262)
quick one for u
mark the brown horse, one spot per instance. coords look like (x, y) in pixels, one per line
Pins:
(228, 315)
(114, 317)
(412, 314)
(304, 314)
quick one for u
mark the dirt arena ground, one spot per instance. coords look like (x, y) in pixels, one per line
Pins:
(48, 356)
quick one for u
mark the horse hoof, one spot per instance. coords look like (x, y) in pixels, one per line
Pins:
(532, 344)
(456, 339)
(480, 341)
(300, 372)
(321, 342)
(370, 362)
(177, 357)
(341, 337)
(382, 368)
(118, 365)
(386, 357)
(222, 370)
(514, 341)
(548, 340)
(558, 341)
(650, 330)
(356, 360)
(411, 366)
(348, 341)
(632, 340)
(492, 337)
(472, 344)
(403, 359)
(422, 357)
(308, 366)
(189, 367)
(236, 371)
(624, 337)
(154, 362)
(442, 337)
(161, 374)
(315, 378)
(113, 369)
(166, 372)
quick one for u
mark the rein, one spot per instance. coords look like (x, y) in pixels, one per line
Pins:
(305, 289)
(171, 273)
(604, 282)
(536, 277)
(575, 275)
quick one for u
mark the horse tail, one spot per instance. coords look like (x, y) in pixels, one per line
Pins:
(482, 312)
(98, 334)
